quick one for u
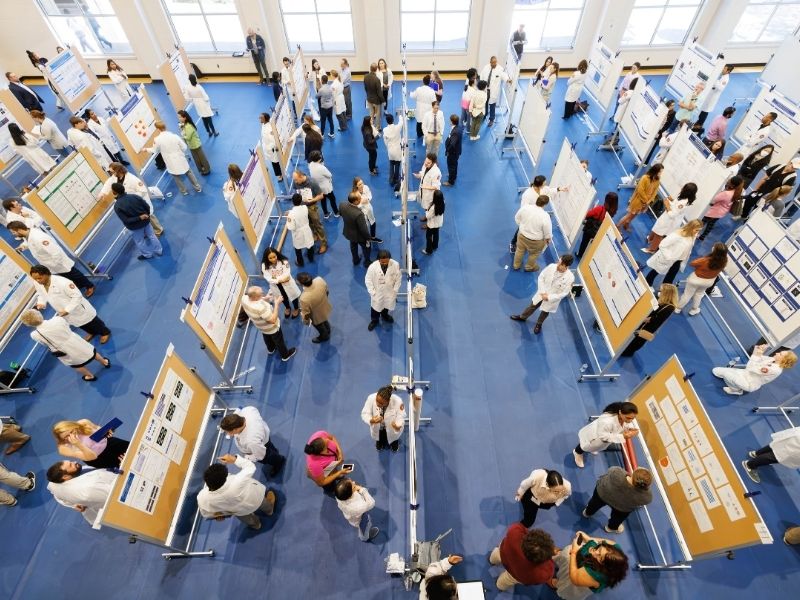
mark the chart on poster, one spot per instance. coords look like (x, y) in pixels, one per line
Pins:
(16, 288)
(71, 192)
(642, 119)
(299, 83)
(619, 283)
(257, 200)
(570, 206)
(695, 65)
(214, 305)
(6, 151)
(784, 132)
(605, 68)
(137, 120)
(69, 75)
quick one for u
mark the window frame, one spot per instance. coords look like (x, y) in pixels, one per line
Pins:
(775, 5)
(698, 4)
(84, 14)
(435, 12)
(316, 13)
(204, 15)
(528, 48)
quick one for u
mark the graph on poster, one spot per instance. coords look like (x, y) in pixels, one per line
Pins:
(137, 121)
(71, 192)
(570, 206)
(67, 73)
(215, 305)
(256, 195)
(618, 282)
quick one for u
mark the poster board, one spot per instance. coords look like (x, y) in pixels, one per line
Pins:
(134, 126)
(697, 475)
(512, 67)
(642, 120)
(283, 126)
(216, 296)
(533, 121)
(620, 295)
(764, 270)
(145, 498)
(605, 69)
(67, 198)
(695, 64)
(72, 78)
(254, 200)
(784, 132)
(689, 160)
(11, 111)
(570, 206)
(299, 81)
(782, 62)
(175, 75)
(16, 288)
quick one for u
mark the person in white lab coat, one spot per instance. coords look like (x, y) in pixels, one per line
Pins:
(759, 136)
(46, 129)
(759, 370)
(424, 97)
(302, 236)
(672, 217)
(252, 436)
(434, 221)
(673, 253)
(239, 495)
(383, 282)
(391, 137)
(256, 305)
(26, 146)
(553, 285)
(63, 343)
(173, 150)
(714, 94)
(339, 102)
(16, 212)
(437, 583)
(355, 502)
(231, 185)
(120, 80)
(47, 252)
(83, 489)
(270, 145)
(575, 85)
(611, 427)
(494, 75)
(385, 414)
(543, 488)
(278, 273)
(67, 300)
(195, 94)
(430, 180)
(784, 449)
(81, 137)
(98, 125)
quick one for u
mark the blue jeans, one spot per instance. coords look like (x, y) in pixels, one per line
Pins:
(364, 526)
(146, 241)
(490, 110)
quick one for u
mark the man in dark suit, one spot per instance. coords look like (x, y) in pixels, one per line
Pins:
(29, 99)
(374, 90)
(355, 228)
(452, 149)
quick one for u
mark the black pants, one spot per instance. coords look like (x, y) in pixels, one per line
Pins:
(634, 346)
(765, 456)
(514, 238)
(342, 118)
(383, 442)
(394, 171)
(286, 302)
(324, 330)
(452, 168)
(96, 327)
(274, 341)
(273, 458)
(762, 340)
(325, 116)
(208, 123)
(530, 509)
(596, 503)
(276, 168)
(373, 159)
(419, 128)
(332, 197)
(701, 118)
(372, 229)
(109, 457)
(299, 256)
(78, 278)
(569, 109)
(710, 222)
(364, 249)
(375, 316)
(750, 202)
(431, 239)
(585, 241)
(669, 277)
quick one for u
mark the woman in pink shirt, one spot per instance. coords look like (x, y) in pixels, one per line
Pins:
(721, 204)
(74, 441)
(323, 456)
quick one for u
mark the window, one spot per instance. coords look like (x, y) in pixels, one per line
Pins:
(548, 24)
(660, 22)
(318, 25)
(206, 25)
(90, 26)
(434, 25)
(767, 22)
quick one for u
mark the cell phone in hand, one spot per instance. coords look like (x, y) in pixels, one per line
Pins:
(348, 467)
(581, 539)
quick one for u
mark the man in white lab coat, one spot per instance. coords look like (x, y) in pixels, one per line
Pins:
(173, 150)
(239, 495)
(82, 488)
(784, 449)
(383, 283)
(355, 502)
(251, 434)
(46, 251)
(425, 97)
(391, 137)
(554, 284)
(385, 414)
(494, 75)
(82, 137)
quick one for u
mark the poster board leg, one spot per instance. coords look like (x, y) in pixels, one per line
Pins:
(671, 567)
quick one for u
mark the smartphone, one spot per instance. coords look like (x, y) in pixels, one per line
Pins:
(348, 467)
(581, 539)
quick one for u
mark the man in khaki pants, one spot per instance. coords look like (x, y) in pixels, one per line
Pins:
(526, 556)
(535, 231)
(12, 433)
(26, 483)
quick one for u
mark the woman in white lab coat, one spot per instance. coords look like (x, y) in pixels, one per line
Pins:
(28, 149)
(195, 94)
(673, 253)
(437, 583)
(120, 80)
(365, 205)
(784, 449)
(63, 343)
(302, 236)
(575, 85)
(99, 127)
(270, 145)
(339, 102)
(385, 414)
(553, 285)
(759, 370)
(276, 270)
(79, 138)
(382, 287)
(611, 427)
(672, 217)
(714, 94)
(46, 129)
(231, 185)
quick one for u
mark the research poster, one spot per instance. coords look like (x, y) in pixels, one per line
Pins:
(570, 206)
(284, 125)
(67, 74)
(137, 120)
(616, 278)
(15, 289)
(642, 119)
(784, 132)
(71, 193)
(179, 69)
(215, 305)
(533, 121)
(256, 195)
(696, 64)
(512, 70)
(605, 68)
(6, 151)
(299, 80)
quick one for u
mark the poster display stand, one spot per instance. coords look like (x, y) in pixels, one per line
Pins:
(254, 201)
(571, 205)
(534, 118)
(782, 62)
(150, 495)
(11, 111)
(510, 90)
(299, 83)
(605, 69)
(784, 132)
(175, 75)
(72, 78)
(213, 306)
(134, 126)
(283, 126)
(696, 64)
(17, 296)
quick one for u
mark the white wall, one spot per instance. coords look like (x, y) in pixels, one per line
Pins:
(376, 26)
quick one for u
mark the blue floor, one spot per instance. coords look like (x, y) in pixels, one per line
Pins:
(502, 402)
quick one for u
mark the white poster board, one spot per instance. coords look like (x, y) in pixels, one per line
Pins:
(512, 70)
(605, 68)
(694, 65)
(6, 151)
(178, 67)
(642, 119)
(784, 132)
(764, 269)
(689, 160)
(570, 207)
(299, 82)
(16, 288)
(283, 126)
(782, 62)
(67, 73)
(533, 121)
(137, 120)
(257, 196)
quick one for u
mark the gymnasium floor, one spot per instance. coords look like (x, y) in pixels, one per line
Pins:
(503, 401)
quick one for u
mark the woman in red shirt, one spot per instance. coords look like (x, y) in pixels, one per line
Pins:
(706, 270)
(594, 218)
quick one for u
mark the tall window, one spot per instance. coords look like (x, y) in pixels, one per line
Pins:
(435, 24)
(206, 25)
(319, 25)
(90, 26)
(767, 22)
(660, 22)
(548, 23)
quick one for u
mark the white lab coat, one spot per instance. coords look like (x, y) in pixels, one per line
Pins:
(240, 495)
(394, 413)
(665, 142)
(432, 178)
(438, 568)
(339, 104)
(356, 506)
(81, 139)
(27, 216)
(297, 223)
(391, 137)
(274, 273)
(434, 221)
(671, 219)
(58, 337)
(197, 96)
(91, 489)
(498, 77)
(715, 92)
(132, 185)
(366, 205)
(63, 295)
(674, 248)
(120, 81)
(575, 85)
(228, 192)
(102, 131)
(622, 105)
(47, 252)
(382, 287)
(173, 151)
(50, 132)
(424, 97)
(786, 447)
(321, 176)
(751, 378)
(601, 433)
(755, 139)
(37, 158)
(555, 284)
(269, 144)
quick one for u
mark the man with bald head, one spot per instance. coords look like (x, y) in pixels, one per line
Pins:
(256, 305)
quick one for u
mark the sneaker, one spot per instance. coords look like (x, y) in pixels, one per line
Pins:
(270, 352)
(377, 240)
(732, 391)
(372, 325)
(715, 292)
(516, 318)
(330, 135)
(271, 498)
(578, 459)
(336, 214)
(647, 250)
(537, 329)
(677, 311)
(583, 512)
(694, 311)
(278, 468)
(620, 530)
(373, 533)
(292, 352)
(751, 473)
(472, 138)
(317, 340)
(425, 252)
(752, 454)
(477, 137)
(327, 216)
(512, 249)
(32, 476)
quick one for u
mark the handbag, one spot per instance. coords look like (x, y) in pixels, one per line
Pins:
(647, 336)
(737, 206)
